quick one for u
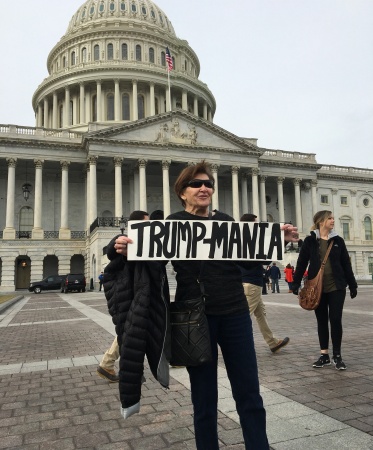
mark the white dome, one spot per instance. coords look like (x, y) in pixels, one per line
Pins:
(117, 11)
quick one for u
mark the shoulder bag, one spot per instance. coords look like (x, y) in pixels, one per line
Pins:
(309, 296)
(190, 335)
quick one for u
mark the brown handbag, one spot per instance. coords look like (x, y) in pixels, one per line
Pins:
(310, 295)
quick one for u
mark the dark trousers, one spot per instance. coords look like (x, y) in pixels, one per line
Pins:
(234, 335)
(330, 310)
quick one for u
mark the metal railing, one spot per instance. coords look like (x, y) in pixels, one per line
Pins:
(103, 222)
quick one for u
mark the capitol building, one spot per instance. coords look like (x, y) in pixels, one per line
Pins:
(114, 128)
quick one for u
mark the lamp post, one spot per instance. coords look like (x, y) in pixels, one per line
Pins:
(122, 224)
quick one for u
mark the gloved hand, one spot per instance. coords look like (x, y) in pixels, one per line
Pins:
(295, 288)
(353, 293)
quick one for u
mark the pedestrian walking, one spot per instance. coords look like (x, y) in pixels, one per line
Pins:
(337, 275)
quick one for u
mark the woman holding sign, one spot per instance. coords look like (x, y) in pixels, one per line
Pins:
(229, 323)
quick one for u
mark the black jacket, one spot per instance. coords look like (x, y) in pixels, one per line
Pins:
(138, 300)
(339, 259)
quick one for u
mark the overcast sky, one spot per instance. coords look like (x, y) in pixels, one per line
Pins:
(296, 74)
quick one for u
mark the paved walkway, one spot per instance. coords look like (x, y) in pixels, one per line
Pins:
(52, 398)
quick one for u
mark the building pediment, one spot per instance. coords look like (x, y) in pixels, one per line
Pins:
(175, 129)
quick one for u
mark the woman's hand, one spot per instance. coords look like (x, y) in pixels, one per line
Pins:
(121, 244)
(291, 232)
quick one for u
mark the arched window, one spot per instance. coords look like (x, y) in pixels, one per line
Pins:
(110, 51)
(141, 106)
(112, 7)
(26, 218)
(123, 6)
(134, 7)
(151, 54)
(94, 108)
(96, 52)
(163, 59)
(368, 228)
(84, 55)
(124, 51)
(138, 52)
(64, 62)
(73, 58)
(125, 107)
(110, 107)
(186, 65)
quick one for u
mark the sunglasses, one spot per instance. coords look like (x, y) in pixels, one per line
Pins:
(198, 184)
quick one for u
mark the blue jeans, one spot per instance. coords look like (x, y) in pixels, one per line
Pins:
(234, 335)
(275, 285)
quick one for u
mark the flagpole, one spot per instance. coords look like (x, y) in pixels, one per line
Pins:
(169, 88)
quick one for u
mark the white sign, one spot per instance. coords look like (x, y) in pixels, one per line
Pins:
(204, 240)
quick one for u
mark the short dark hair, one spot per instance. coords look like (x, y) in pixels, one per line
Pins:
(158, 214)
(188, 174)
(248, 217)
(138, 215)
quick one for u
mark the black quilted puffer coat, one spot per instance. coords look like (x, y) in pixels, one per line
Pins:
(138, 300)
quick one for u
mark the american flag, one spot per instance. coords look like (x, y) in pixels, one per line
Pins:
(170, 63)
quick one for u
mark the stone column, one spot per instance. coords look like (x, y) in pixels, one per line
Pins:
(99, 101)
(215, 197)
(142, 180)
(255, 195)
(314, 196)
(66, 110)
(298, 204)
(9, 231)
(335, 208)
(235, 195)
(205, 110)
(355, 217)
(280, 196)
(37, 231)
(184, 100)
(166, 188)
(81, 104)
(117, 115)
(195, 106)
(136, 189)
(92, 202)
(263, 201)
(118, 161)
(74, 118)
(168, 100)
(46, 113)
(135, 111)
(65, 232)
(39, 118)
(55, 111)
(209, 115)
(88, 106)
(152, 99)
(245, 201)
(87, 196)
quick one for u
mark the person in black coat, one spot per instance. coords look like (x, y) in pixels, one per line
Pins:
(337, 275)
